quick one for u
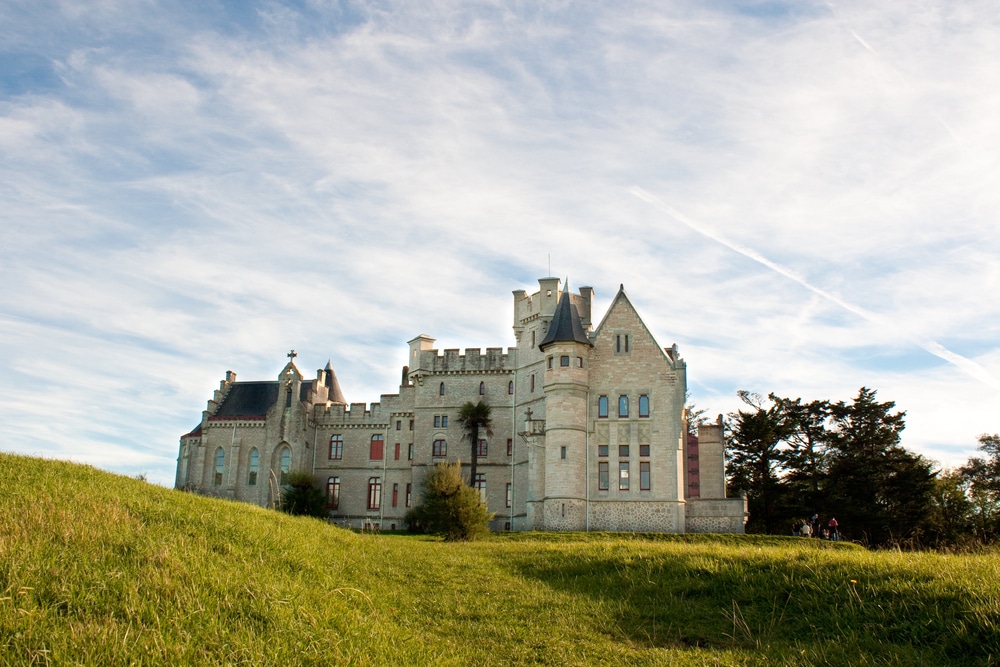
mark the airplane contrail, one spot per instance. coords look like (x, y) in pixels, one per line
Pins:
(964, 364)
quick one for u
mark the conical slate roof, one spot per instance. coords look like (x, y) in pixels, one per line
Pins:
(336, 395)
(565, 326)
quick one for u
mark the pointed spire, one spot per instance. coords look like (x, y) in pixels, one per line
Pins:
(565, 325)
(336, 395)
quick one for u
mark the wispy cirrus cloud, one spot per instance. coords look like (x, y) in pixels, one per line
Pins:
(192, 187)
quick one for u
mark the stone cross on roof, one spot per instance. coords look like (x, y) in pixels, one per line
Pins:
(292, 354)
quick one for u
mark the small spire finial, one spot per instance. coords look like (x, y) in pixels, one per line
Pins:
(291, 355)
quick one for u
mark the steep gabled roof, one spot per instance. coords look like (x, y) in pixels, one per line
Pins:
(248, 399)
(565, 326)
(622, 298)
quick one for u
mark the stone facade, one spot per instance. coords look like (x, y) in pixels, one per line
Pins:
(589, 430)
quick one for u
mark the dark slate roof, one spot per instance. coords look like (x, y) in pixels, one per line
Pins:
(336, 395)
(565, 325)
(248, 399)
(304, 390)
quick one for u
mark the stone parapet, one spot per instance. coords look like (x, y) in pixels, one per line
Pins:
(716, 515)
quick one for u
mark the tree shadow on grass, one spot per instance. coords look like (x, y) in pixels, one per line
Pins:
(802, 603)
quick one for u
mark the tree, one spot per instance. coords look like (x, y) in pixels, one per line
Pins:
(982, 477)
(755, 459)
(450, 507)
(475, 419)
(950, 519)
(299, 495)
(806, 457)
(879, 491)
(692, 415)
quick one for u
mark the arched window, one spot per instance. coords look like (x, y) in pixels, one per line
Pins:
(510, 387)
(220, 466)
(644, 406)
(440, 448)
(336, 447)
(333, 493)
(482, 388)
(374, 492)
(441, 389)
(286, 462)
(623, 406)
(602, 407)
(254, 467)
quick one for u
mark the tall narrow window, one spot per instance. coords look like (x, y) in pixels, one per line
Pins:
(644, 406)
(532, 382)
(644, 475)
(441, 389)
(336, 447)
(396, 453)
(395, 494)
(377, 447)
(602, 476)
(562, 452)
(481, 485)
(254, 467)
(510, 446)
(510, 495)
(481, 448)
(550, 362)
(409, 494)
(602, 407)
(286, 463)
(618, 343)
(220, 466)
(409, 452)
(482, 388)
(623, 406)
(623, 476)
(510, 387)
(333, 493)
(374, 493)
(399, 424)
(440, 448)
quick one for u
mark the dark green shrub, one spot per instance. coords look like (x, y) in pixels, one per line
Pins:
(299, 495)
(450, 507)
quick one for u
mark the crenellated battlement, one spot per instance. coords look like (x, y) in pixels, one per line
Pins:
(452, 360)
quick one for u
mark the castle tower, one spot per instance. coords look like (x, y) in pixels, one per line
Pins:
(566, 347)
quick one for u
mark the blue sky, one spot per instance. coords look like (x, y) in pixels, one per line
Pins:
(801, 195)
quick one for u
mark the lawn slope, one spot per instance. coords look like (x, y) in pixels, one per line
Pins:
(104, 570)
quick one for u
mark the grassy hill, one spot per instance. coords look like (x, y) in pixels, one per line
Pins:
(104, 570)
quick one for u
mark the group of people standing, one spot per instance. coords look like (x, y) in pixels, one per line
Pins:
(814, 528)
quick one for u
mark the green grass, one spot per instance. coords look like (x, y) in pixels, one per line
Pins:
(103, 570)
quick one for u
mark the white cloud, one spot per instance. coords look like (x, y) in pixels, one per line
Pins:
(198, 191)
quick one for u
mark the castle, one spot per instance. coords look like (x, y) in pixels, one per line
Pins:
(589, 430)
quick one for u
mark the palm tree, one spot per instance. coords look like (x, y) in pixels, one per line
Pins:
(475, 417)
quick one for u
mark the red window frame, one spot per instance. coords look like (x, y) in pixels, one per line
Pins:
(376, 449)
